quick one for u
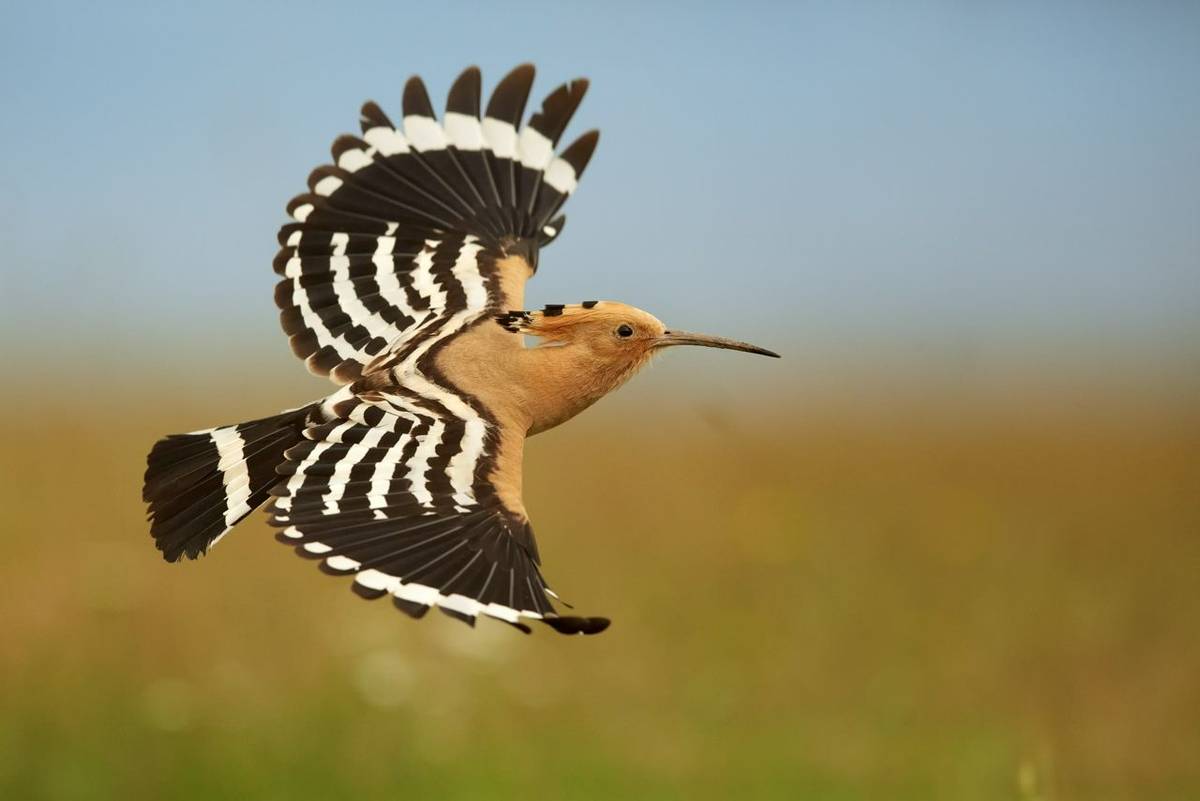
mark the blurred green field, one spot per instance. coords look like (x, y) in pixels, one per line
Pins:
(831, 601)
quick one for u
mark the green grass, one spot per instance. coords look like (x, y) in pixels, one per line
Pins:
(849, 604)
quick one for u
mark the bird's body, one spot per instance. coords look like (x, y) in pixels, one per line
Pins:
(403, 280)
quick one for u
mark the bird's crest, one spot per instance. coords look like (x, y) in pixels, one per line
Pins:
(555, 318)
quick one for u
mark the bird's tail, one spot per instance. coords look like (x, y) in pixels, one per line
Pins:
(199, 485)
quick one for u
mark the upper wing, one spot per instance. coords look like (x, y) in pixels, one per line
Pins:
(378, 255)
(397, 489)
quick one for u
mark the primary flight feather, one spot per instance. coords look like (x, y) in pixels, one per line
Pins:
(402, 279)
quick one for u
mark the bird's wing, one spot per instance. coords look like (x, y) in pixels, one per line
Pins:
(398, 489)
(405, 229)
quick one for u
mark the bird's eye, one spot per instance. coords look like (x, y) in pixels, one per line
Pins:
(624, 331)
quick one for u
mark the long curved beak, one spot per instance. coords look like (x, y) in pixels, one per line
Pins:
(669, 338)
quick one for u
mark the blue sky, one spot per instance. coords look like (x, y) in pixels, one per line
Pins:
(1007, 175)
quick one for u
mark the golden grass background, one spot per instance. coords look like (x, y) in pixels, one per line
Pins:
(861, 595)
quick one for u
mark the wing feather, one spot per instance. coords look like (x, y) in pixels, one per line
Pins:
(375, 495)
(376, 262)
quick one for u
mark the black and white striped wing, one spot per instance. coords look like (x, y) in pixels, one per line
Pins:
(370, 262)
(395, 492)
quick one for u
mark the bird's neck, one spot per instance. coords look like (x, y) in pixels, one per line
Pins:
(560, 381)
(529, 389)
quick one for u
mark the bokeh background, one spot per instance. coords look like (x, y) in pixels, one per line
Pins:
(947, 548)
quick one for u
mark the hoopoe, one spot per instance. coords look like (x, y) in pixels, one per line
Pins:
(402, 276)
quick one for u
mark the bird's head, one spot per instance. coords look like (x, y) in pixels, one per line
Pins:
(615, 333)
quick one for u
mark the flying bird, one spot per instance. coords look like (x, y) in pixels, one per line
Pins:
(402, 279)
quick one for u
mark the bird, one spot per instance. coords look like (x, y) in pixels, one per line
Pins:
(402, 278)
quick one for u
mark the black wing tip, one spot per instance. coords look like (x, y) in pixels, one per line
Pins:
(525, 71)
(577, 625)
(368, 593)
(464, 95)
(580, 152)
(510, 95)
(373, 115)
(173, 555)
(416, 99)
(411, 608)
(175, 546)
(343, 143)
(457, 615)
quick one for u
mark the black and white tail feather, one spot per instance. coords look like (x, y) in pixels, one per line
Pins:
(393, 251)
(199, 485)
